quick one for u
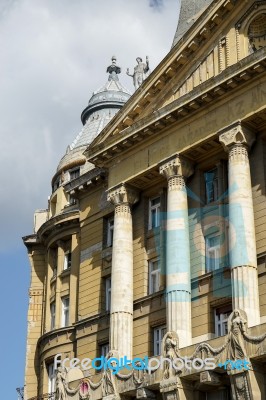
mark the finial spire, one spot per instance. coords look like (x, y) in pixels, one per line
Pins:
(113, 70)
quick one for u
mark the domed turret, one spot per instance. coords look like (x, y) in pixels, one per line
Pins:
(102, 107)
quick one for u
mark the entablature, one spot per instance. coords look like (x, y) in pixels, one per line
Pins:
(85, 182)
(226, 83)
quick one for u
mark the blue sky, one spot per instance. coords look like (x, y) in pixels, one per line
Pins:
(54, 54)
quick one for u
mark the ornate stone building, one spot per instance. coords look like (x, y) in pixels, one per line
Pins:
(154, 242)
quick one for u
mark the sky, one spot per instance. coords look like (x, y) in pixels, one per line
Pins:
(53, 55)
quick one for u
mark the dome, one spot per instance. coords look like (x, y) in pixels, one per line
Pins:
(102, 107)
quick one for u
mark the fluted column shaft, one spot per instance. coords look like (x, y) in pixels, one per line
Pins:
(121, 319)
(242, 240)
(178, 278)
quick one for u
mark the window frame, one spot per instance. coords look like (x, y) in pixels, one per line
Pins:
(65, 312)
(51, 379)
(110, 231)
(157, 208)
(108, 293)
(214, 186)
(104, 349)
(67, 260)
(155, 273)
(221, 324)
(75, 172)
(157, 343)
(217, 253)
(52, 315)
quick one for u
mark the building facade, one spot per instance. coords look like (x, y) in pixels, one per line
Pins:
(154, 243)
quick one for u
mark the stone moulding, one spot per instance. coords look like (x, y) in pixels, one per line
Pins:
(111, 385)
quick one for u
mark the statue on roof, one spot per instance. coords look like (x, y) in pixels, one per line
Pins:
(113, 70)
(140, 71)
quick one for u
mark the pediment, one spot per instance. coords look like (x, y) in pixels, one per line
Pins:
(221, 37)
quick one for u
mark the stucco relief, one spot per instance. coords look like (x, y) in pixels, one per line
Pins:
(236, 134)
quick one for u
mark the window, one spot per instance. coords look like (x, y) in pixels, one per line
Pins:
(221, 316)
(154, 276)
(110, 231)
(51, 379)
(71, 200)
(52, 313)
(154, 212)
(158, 334)
(65, 311)
(108, 293)
(212, 245)
(74, 173)
(67, 260)
(211, 185)
(104, 349)
(54, 261)
(56, 184)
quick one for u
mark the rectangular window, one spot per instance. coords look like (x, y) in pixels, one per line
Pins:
(51, 380)
(75, 173)
(110, 231)
(56, 184)
(108, 294)
(71, 200)
(211, 185)
(154, 276)
(104, 349)
(221, 316)
(154, 212)
(158, 334)
(67, 260)
(54, 261)
(65, 312)
(212, 246)
(52, 313)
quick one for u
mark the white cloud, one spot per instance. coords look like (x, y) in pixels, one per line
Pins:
(53, 55)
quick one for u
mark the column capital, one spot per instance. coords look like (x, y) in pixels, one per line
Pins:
(236, 134)
(176, 165)
(122, 194)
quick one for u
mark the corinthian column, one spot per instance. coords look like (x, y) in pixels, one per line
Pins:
(236, 140)
(178, 287)
(121, 320)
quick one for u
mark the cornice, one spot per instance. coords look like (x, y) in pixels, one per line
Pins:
(56, 333)
(58, 223)
(86, 181)
(199, 98)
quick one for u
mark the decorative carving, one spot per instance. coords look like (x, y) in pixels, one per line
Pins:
(113, 70)
(84, 389)
(140, 71)
(170, 351)
(176, 183)
(210, 378)
(176, 166)
(60, 384)
(123, 194)
(144, 393)
(240, 385)
(169, 388)
(108, 380)
(236, 329)
(236, 134)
